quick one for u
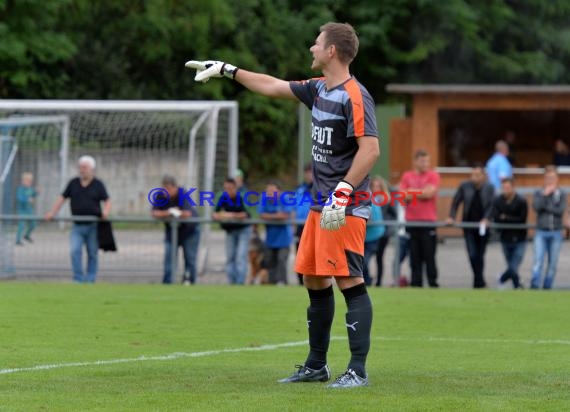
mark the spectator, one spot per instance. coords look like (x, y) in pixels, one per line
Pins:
(231, 207)
(498, 166)
(188, 233)
(86, 193)
(373, 232)
(25, 198)
(561, 153)
(278, 237)
(421, 207)
(549, 205)
(477, 198)
(389, 213)
(303, 206)
(509, 207)
(240, 181)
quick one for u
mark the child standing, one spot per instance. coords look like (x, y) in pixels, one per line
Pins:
(25, 198)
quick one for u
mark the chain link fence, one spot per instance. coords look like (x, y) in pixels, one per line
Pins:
(140, 256)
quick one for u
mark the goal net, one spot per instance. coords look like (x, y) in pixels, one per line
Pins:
(135, 143)
(22, 139)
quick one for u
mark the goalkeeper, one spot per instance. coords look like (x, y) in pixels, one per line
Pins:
(345, 147)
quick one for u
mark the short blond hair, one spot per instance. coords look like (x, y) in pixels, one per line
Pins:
(550, 169)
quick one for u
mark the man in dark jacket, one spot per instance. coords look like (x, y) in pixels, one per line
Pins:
(188, 234)
(476, 194)
(509, 207)
(549, 205)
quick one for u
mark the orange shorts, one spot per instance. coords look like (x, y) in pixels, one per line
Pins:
(331, 252)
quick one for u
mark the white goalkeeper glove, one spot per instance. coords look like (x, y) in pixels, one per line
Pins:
(175, 212)
(333, 213)
(207, 69)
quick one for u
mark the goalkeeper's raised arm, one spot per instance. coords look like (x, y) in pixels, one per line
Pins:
(264, 84)
(257, 82)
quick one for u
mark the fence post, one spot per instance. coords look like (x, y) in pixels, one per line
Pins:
(174, 250)
(396, 262)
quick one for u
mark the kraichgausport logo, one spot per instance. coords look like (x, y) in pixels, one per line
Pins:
(160, 197)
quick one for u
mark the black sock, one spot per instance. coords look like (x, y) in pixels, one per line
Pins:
(320, 315)
(358, 325)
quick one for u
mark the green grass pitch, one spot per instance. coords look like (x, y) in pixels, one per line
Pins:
(109, 346)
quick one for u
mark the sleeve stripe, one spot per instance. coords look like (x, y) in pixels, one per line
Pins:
(357, 103)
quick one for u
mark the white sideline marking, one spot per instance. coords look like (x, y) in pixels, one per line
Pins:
(177, 355)
(170, 356)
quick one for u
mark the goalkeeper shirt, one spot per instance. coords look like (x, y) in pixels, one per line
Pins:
(339, 117)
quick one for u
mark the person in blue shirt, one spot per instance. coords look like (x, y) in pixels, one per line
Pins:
(373, 231)
(278, 238)
(498, 166)
(303, 206)
(25, 198)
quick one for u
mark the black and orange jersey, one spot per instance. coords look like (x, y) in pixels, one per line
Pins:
(339, 117)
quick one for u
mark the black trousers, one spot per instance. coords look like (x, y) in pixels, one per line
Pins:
(382, 243)
(476, 246)
(276, 264)
(423, 241)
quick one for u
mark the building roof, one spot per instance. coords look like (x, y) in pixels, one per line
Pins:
(478, 88)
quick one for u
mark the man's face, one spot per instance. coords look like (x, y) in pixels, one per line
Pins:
(560, 146)
(507, 188)
(504, 149)
(320, 53)
(477, 176)
(550, 179)
(271, 189)
(422, 164)
(85, 170)
(230, 188)
(171, 189)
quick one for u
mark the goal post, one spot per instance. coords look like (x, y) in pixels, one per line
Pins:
(16, 127)
(16, 134)
(134, 144)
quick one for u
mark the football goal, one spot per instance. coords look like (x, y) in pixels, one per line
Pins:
(135, 143)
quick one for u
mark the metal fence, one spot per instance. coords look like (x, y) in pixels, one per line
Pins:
(140, 256)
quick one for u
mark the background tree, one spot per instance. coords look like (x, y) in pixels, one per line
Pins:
(31, 49)
(136, 49)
